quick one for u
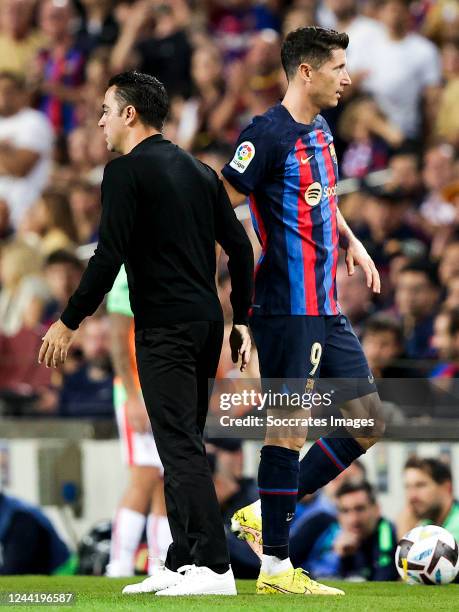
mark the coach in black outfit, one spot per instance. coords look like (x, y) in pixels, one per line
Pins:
(162, 211)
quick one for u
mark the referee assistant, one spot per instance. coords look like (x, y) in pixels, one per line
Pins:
(162, 211)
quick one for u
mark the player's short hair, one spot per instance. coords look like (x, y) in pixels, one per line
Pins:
(311, 44)
(382, 323)
(145, 93)
(353, 486)
(438, 470)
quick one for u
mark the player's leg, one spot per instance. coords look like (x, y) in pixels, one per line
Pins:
(159, 536)
(129, 522)
(285, 346)
(344, 361)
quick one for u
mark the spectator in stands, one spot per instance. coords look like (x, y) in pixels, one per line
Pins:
(354, 296)
(416, 300)
(445, 341)
(98, 26)
(382, 342)
(29, 543)
(62, 271)
(363, 33)
(369, 136)
(153, 39)
(449, 262)
(452, 292)
(85, 205)
(361, 544)
(447, 121)
(437, 173)
(88, 392)
(195, 127)
(6, 230)
(429, 496)
(233, 23)
(405, 176)
(58, 70)
(403, 69)
(26, 142)
(24, 293)
(50, 221)
(19, 41)
(386, 227)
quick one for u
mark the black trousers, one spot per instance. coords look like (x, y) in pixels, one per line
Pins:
(175, 363)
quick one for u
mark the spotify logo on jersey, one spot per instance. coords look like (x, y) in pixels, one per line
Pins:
(313, 194)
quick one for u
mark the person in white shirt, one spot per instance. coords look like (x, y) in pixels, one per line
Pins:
(403, 68)
(343, 15)
(26, 142)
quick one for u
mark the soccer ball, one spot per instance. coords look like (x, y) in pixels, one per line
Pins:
(427, 555)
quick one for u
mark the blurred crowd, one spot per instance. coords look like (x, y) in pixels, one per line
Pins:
(396, 136)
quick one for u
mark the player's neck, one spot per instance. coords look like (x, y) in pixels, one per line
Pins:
(300, 107)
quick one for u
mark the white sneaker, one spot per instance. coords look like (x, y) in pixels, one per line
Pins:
(161, 579)
(202, 581)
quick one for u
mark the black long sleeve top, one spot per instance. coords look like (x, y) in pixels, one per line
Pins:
(162, 211)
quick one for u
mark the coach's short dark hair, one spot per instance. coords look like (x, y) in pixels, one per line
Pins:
(436, 469)
(313, 45)
(352, 486)
(145, 93)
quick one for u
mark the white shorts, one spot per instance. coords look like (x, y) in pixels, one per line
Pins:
(136, 448)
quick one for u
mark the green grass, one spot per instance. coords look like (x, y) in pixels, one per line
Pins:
(103, 594)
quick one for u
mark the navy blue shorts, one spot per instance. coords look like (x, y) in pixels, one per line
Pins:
(312, 347)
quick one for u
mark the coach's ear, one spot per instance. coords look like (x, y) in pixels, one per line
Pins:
(130, 114)
(305, 72)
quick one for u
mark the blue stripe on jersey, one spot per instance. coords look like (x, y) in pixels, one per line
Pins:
(317, 232)
(327, 223)
(293, 239)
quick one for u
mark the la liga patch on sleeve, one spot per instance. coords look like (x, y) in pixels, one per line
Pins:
(243, 156)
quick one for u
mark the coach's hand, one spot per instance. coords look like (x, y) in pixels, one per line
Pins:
(240, 343)
(56, 344)
(357, 255)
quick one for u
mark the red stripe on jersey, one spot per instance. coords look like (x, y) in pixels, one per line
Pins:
(331, 178)
(305, 228)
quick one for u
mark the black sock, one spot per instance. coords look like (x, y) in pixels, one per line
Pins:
(278, 487)
(327, 458)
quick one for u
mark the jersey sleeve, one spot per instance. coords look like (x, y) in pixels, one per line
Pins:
(253, 157)
(118, 298)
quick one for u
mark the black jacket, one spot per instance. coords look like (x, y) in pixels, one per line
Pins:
(162, 211)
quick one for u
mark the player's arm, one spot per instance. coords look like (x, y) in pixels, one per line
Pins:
(235, 196)
(230, 233)
(356, 254)
(120, 329)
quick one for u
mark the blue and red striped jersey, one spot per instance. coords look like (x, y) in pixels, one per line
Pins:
(289, 171)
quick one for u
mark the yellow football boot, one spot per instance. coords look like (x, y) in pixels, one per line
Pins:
(293, 582)
(246, 523)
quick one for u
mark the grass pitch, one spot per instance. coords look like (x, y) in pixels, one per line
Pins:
(104, 594)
